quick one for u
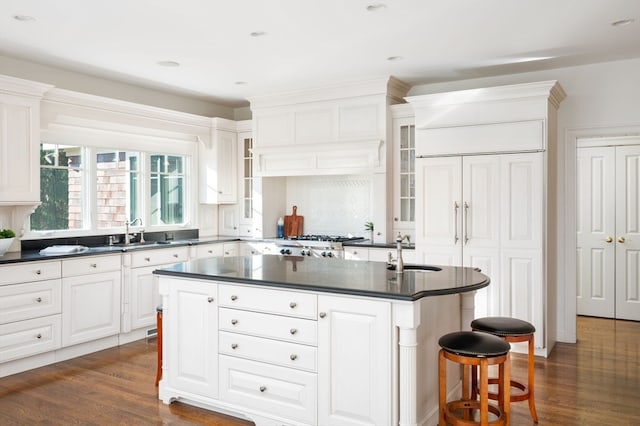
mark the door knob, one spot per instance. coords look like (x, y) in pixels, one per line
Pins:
(621, 239)
(609, 239)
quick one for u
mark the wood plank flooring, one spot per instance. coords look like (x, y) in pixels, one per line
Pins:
(594, 382)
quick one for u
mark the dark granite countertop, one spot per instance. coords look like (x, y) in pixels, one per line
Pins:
(359, 278)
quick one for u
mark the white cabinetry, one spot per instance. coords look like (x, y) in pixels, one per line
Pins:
(30, 307)
(403, 169)
(354, 362)
(219, 165)
(208, 250)
(141, 296)
(495, 211)
(91, 298)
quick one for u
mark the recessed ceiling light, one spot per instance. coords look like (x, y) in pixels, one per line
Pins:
(257, 34)
(23, 18)
(168, 63)
(375, 7)
(394, 58)
(621, 23)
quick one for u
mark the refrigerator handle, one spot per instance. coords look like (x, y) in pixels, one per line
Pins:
(455, 222)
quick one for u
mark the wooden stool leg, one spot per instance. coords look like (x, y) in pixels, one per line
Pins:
(530, 369)
(159, 328)
(442, 389)
(484, 392)
(505, 401)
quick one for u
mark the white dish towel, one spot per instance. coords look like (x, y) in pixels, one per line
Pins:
(63, 249)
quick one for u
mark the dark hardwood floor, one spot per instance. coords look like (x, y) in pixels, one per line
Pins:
(595, 382)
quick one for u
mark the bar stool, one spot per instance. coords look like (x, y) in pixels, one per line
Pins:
(159, 328)
(513, 330)
(473, 349)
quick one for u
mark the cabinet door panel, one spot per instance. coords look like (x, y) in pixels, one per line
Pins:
(91, 307)
(480, 205)
(354, 362)
(144, 297)
(29, 337)
(30, 300)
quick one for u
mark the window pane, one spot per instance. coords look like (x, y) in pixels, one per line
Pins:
(117, 181)
(61, 189)
(167, 195)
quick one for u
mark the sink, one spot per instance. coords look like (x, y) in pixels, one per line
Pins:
(417, 268)
(146, 243)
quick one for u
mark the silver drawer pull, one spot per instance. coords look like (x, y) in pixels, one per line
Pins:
(39, 336)
(293, 331)
(234, 321)
(263, 388)
(38, 272)
(234, 297)
(94, 265)
(234, 346)
(293, 357)
(210, 299)
(210, 251)
(175, 255)
(148, 259)
(39, 299)
(322, 314)
(292, 305)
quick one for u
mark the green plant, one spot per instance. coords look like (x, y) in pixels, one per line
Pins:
(368, 226)
(7, 233)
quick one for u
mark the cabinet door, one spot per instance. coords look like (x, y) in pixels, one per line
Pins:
(218, 169)
(144, 297)
(404, 173)
(353, 253)
(228, 220)
(439, 210)
(19, 149)
(354, 362)
(91, 307)
(191, 324)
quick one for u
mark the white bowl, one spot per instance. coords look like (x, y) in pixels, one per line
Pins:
(5, 243)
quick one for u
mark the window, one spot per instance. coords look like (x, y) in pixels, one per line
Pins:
(98, 189)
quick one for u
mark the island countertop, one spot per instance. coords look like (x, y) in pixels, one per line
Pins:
(357, 278)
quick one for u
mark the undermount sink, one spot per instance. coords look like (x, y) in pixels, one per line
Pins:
(416, 268)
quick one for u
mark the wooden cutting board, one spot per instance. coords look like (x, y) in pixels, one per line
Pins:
(293, 224)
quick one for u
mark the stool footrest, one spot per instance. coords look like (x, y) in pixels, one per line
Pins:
(463, 405)
(521, 394)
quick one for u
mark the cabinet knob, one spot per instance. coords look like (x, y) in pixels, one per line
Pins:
(234, 297)
(234, 346)
(293, 357)
(263, 388)
(148, 259)
(210, 299)
(609, 239)
(39, 299)
(94, 265)
(210, 251)
(293, 331)
(38, 272)
(175, 255)
(323, 314)
(621, 239)
(292, 305)
(39, 336)
(234, 321)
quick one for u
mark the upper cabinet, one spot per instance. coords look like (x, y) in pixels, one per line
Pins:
(339, 130)
(20, 140)
(218, 163)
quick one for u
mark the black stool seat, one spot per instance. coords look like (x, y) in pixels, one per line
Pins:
(503, 326)
(479, 345)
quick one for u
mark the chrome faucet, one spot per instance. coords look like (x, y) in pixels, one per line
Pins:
(127, 236)
(399, 261)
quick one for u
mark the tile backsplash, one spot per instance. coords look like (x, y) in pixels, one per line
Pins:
(332, 205)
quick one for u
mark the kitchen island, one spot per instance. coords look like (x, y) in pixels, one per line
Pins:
(304, 341)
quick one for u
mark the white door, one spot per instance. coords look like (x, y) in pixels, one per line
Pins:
(628, 232)
(596, 227)
(144, 297)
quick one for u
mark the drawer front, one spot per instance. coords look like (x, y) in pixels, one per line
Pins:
(281, 391)
(29, 271)
(290, 329)
(159, 256)
(286, 354)
(209, 250)
(279, 302)
(90, 265)
(32, 300)
(29, 337)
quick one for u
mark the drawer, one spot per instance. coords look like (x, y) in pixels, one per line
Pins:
(31, 300)
(272, 351)
(284, 392)
(90, 265)
(29, 271)
(29, 337)
(279, 302)
(209, 250)
(159, 256)
(290, 329)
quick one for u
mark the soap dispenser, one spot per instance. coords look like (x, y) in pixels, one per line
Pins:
(280, 227)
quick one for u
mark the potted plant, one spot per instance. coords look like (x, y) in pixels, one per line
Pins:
(6, 239)
(368, 226)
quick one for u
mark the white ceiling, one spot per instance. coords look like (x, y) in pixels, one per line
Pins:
(312, 43)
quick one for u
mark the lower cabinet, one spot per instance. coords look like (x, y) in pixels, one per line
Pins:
(274, 354)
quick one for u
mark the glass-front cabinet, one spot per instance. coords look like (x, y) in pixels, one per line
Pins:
(404, 192)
